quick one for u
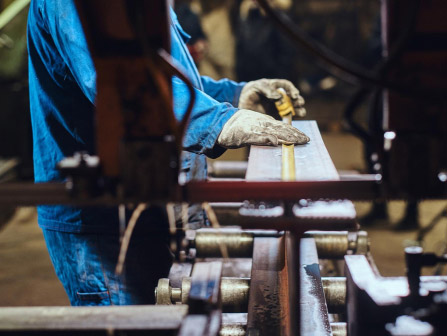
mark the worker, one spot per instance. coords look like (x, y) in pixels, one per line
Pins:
(83, 243)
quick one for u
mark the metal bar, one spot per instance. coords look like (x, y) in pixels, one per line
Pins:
(10, 12)
(71, 319)
(204, 301)
(204, 294)
(312, 160)
(295, 225)
(292, 291)
(223, 191)
(267, 314)
(314, 312)
(197, 192)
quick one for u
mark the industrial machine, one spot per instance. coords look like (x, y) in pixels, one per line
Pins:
(281, 271)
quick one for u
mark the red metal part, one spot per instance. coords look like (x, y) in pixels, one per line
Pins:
(230, 191)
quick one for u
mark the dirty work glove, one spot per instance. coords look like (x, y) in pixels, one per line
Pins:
(247, 127)
(260, 96)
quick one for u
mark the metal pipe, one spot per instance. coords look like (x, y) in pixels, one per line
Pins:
(10, 12)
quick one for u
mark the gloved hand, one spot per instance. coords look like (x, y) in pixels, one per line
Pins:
(247, 127)
(260, 96)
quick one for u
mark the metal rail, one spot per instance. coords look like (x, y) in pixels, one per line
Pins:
(90, 320)
(205, 191)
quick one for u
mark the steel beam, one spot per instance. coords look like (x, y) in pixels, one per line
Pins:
(91, 320)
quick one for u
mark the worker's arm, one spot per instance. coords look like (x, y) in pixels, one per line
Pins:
(61, 20)
(206, 122)
(223, 90)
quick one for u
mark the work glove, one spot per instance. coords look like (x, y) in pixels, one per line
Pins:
(247, 127)
(260, 96)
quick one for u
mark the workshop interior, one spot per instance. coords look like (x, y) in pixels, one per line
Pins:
(344, 235)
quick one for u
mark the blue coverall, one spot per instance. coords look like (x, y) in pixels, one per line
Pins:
(83, 242)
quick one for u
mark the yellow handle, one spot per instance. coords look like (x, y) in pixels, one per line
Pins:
(286, 111)
(284, 105)
(288, 163)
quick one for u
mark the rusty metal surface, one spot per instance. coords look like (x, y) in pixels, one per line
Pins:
(51, 319)
(265, 314)
(200, 191)
(312, 161)
(229, 191)
(291, 283)
(314, 313)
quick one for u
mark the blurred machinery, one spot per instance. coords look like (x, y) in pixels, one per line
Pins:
(297, 264)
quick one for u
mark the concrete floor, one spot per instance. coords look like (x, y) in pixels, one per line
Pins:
(27, 277)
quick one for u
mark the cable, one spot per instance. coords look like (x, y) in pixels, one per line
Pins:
(127, 236)
(340, 66)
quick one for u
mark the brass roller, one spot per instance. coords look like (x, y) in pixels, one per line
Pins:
(335, 293)
(239, 243)
(330, 244)
(336, 244)
(234, 293)
(339, 329)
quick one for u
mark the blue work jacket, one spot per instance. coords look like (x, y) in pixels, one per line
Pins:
(62, 82)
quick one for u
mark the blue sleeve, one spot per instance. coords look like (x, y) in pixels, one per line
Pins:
(65, 27)
(206, 122)
(224, 90)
